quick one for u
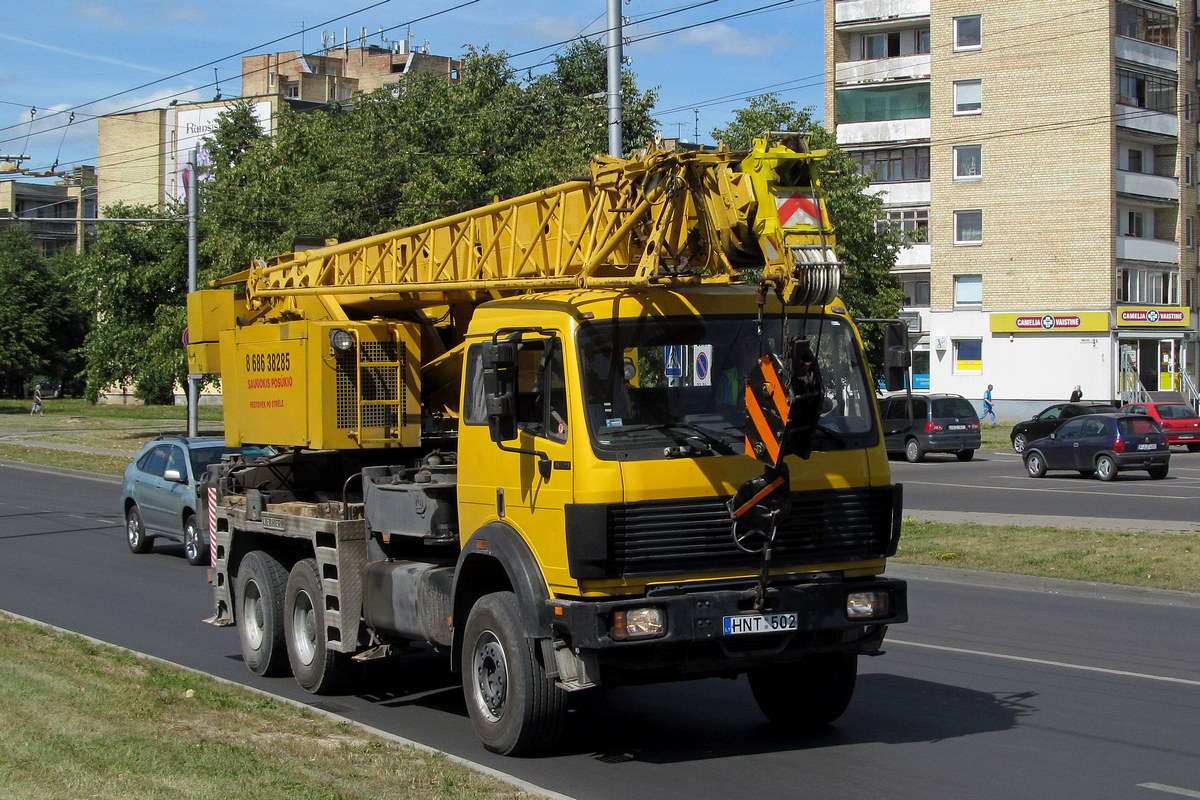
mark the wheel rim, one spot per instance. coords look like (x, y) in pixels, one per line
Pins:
(191, 542)
(491, 676)
(1035, 465)
(132, 530)
(912, 451)
(252, 615)
(1104, 467)
(1019, 443)
(304, 628)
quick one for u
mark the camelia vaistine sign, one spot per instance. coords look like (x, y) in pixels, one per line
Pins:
(1152, 317)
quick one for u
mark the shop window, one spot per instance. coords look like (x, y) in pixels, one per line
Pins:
(968, 356)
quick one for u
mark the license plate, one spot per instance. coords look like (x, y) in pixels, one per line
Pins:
(759, 623)
(1148, 446)
(958, 427)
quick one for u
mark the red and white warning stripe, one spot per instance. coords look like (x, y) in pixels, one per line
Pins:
(212, 525)
(797, 209)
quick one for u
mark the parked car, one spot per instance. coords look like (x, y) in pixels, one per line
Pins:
(1048, 419)
(1179, 421)
(1102, 445)
(158, 495)
(938, 423)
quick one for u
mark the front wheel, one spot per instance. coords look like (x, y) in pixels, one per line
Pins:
(260, 583)
(807, 695)
(514, 706)
(1035, 465)
(913, 452)
(1019, 442)
(317, 668)
(1106, 468)
(194, 549)
(135, 531)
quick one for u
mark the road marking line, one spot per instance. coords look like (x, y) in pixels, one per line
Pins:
(1190, 498)
(1162, 787)
(1046, 663)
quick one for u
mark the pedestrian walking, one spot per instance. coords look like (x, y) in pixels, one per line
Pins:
(1076, 395)
(37, 402)
(988, 409)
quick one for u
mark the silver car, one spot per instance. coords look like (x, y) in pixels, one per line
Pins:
(159, 492)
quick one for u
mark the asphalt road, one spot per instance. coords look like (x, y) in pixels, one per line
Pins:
(1002, 689)
(995, 482)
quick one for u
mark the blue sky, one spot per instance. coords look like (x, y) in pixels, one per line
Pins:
(104, 56)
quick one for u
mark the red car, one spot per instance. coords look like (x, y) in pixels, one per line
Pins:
(1178, 420)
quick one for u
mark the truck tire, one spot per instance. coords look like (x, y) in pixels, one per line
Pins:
(317, 668)
(807, 695)
(515, 708)
(261, 580)
(194, 549)
(135, 532)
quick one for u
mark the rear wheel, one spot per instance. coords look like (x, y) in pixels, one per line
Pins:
(135, 531)
(1159, 472)
(1194, 447)
(913, 452)
(261, 581)
(1019, 443)
(1106, 468)
(807, 695)
(194, 549)
(1035, 465)
(965, 455)
(514, 706)
(317, 668)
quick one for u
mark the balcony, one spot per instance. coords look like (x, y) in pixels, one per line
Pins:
(882, 69)
(917, 255)
(1147, 53)
(888, 130)
(852, 11)
(912, 193)
(1157, 187)
(1161, 251)
(1143, 120)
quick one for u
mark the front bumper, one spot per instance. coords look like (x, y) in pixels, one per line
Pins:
(694, 642)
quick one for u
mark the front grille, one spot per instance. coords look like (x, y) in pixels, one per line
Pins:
(694, 534)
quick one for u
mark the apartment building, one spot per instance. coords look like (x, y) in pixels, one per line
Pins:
(1042, 162)
(50, 210)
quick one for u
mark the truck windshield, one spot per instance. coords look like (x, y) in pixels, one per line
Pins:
(676, 386)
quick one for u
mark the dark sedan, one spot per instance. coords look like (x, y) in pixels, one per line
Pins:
(1102, 445)
(1048, 419)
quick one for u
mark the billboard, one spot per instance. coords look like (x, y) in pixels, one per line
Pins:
(192, 125)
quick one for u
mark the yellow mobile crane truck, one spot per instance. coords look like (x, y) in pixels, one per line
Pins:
(620, 430)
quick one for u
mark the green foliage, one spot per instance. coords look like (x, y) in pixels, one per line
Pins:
(39, 325)
(868, 287)
(403, 156)
(134, 280)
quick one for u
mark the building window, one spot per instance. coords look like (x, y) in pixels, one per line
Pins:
(1135, 22)
(968, 97)
(1187, 45)
(1187, 169)
(291, 90)
(968, 227)
(1135, 224)
(968, 162)
(878, 103)
(1189, 232)
(1133, 160)
(1146, 91)
(968, 33)
(915, 286)
(968, 290)
(881, 45)
(923, 41)
(1188, 100)
(894, 165)
(968, 356)
(912, 224)
(1152, 286)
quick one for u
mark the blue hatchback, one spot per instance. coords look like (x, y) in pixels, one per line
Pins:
(158, 496)
(1101, 445)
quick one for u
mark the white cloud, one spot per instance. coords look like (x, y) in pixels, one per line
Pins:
(725, 40)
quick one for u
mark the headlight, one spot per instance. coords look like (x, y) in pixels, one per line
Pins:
(639, 623)
(341, 340)
(867, 605)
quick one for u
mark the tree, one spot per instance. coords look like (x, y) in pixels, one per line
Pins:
(134, 281)
(39, 325)
(869, 253)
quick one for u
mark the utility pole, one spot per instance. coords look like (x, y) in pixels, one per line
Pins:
(615, 57)
(193, 198)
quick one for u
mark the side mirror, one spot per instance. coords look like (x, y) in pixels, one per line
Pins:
(174, 476)
(500, 389)
(896, 356)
